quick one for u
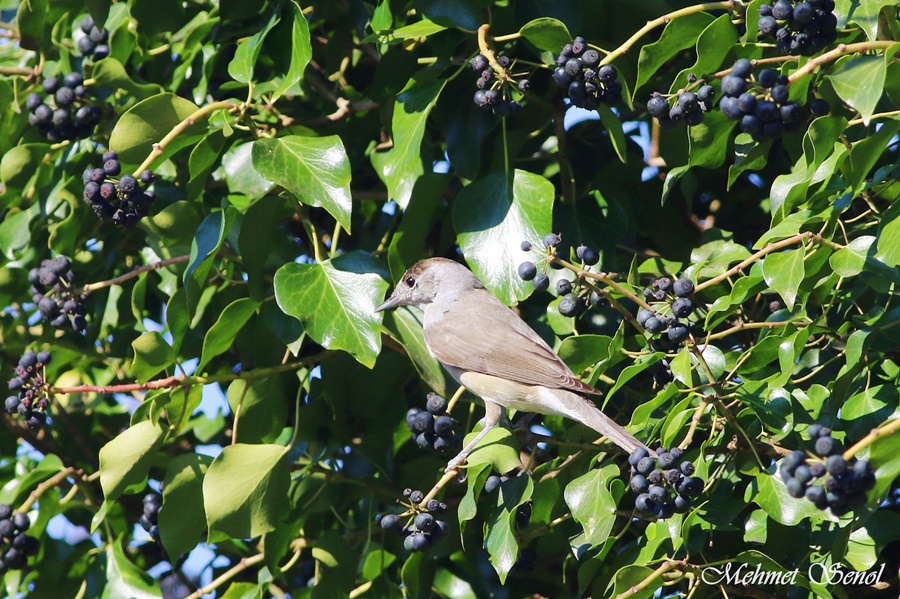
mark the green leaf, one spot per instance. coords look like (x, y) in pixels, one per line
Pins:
(546, 34)
(613, 126)
(592, 505)
(109, 72)
(301, 53)
(31, 21)
(679, 34)
(492, 216)
(180, 524)
(315, 169)
(862, 12)
(20, 163)
(423, 28)
(242, 590)
(245, 491)
(124, 579)
(125, 461)
(713, 46)
(148, 122)
(889, 236)
(260, 408)
(403, 163)
(773, 497)
(709, 140)
(783, 272)
(245, 57)
(408, 241)
(500, 538)
(152, 355)
(866, 152)
(859, 81)
(498, 448)
(381, 17)
(583, 351)
(715, 359)
(221, 335)
(849, 261)
(336, 300)
(240, 174)
(405, 326)
(207, 240)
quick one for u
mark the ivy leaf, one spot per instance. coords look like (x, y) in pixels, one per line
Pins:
(773, 497)
(405, 326)
(498, 448)
(613, 126)
(862, 12)
(889, 236)
(125, 461)
(403, 163)
(546, 33)
(583, 351)
(242, 65)
(124, 579)
(859, 81)
(592, 505)
(492, 217)
(315, 169)
(500, 537)
(849, 261)
(152, 354)
(110, 73)
(179, 527)
(679, 34)
(301, 53)
(336, 300)
(245, 491)
(783, 272)
(221, 335)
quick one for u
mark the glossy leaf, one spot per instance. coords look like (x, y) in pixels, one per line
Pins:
(301, 53)
(783, 272)
(859, 81)
(546, 33)
(242, 65)
(492, 216)
(592, 505)
(403, 163)
(336, 300)
(148, 122)
(315, 169)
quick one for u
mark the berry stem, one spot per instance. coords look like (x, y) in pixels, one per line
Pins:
(180, 128)
(666, 566)
(446, 478)
(603, 278)
(754, 325)
(841, 50)
(878, 115)
(663, 20)
(486, 51)
(793, 240)
(874, 434)
(455, 398)
(42, 488)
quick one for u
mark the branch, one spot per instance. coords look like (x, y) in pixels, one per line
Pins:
(178, 129)
(662, 569)
(130, 275)
(799, 238)
(239, 567)
(651, 25)
(841, 50)
(875, 433)
(754, 325)
(43, 487)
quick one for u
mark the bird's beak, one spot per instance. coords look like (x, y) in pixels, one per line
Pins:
(391, 302)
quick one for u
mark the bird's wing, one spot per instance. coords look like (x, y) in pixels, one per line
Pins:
(493, 340)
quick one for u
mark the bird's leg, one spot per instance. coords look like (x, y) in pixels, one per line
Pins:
(492, 414)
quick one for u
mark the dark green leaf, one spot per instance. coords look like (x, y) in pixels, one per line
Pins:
(301, 53)
(336, 300)
(492, 216)
(245, 57)
(179, 525)
(221, 335)
(147, 123)
(109, 72)
(546, 33)
(315, 169)
(679, 34)
(859, 81)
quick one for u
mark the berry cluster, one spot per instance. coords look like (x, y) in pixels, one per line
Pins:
(95, 41)
(803, 28)
(51, 290)
(30, 385)
(150, 517)
(689, 107)
(494, 88)
(15, 546)
(761, 103)
(433, 427)
(115, 197)
(842, 485)
(422, 529)
(666, 295)
(587, 83)
(571, 302)
(62, 113)
(664, 485)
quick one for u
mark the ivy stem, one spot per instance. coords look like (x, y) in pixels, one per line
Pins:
(664, 19)
(42, 488)
(793, 240)
(662, 569)
(178, 129)
(875, 433)
(754, 325)
(446, 478)
(488, 53)
(186, 381)
(603, 278)
(841, 50)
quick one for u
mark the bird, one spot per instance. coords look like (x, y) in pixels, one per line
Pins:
(493, 353)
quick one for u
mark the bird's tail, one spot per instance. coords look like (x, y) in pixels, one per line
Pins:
(584, 411)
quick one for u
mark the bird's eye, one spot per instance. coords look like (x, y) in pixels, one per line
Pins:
(410, 281)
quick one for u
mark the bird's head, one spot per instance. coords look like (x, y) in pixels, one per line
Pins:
(423, 281)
